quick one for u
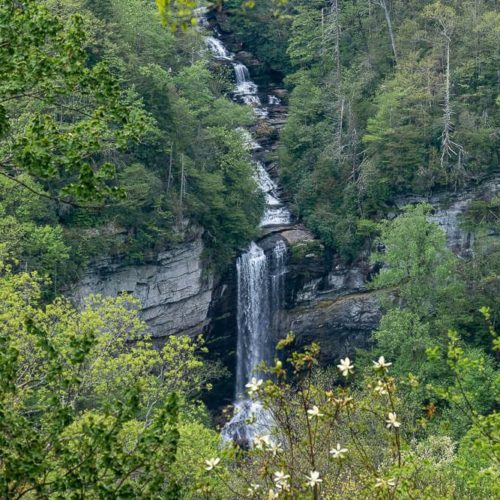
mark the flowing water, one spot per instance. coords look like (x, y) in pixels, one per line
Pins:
(260, 275)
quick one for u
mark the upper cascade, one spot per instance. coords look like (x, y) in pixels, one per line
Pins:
(275, 214)
(246, 91)
(217, 48)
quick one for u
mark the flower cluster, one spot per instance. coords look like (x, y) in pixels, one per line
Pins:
(265, 443)
(321, 413)
(281, 481)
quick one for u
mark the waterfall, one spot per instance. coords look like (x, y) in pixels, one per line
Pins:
(247, 91)
(260, 275)
(260, 302)
(253, 315)
(260, 299)
(218, 49)
(275, 214)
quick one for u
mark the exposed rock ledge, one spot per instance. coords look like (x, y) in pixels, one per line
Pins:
(175, 291)
(338, 326)
(328, 301)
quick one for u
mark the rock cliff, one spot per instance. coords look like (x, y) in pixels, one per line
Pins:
(328, 301)
(174, 288)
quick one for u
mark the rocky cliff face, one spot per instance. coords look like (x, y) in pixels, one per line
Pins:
(326, 300)
(174, 288)
(329, 302)
(449, 206)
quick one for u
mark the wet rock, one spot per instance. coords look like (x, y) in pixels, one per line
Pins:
(247, 59)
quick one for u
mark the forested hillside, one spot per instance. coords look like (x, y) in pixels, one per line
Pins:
(387, 97)
(249, 249)
(113, 123)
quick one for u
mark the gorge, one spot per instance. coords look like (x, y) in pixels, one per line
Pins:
(249, 249)
(284, 281)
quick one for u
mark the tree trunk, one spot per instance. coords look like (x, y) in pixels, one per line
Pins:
(383, 4)
(169, 177)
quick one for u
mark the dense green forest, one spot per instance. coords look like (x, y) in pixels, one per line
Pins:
(116, 113)
(388, 97)
(118, 136)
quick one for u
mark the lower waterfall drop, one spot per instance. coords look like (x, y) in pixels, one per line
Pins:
(253, 315)
(260, 300)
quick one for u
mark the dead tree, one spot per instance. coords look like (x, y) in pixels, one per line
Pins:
(444, 17)
(387, 14)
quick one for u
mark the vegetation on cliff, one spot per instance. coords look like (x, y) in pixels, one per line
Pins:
(117, 136)
(387, 97)
(117, 122)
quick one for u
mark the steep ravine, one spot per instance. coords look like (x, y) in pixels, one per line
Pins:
(325, 299)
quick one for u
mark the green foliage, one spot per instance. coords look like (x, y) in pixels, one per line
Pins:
(100, 100)
(57, 114)
(29, 239)
(184, 177)
(365, 125)
(426, 298)
(417, 262)
(262, 30)
(300, 250)
(88, 406)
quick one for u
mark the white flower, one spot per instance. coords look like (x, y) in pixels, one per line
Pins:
(392, 421)
(261, 442)
(314, 412)
(345, 366)
(338, 452)
(280, 476)
(253, 489)
(313, 479)
(212, 463)
(382, 483)
(281, 480)
(272, 495)
(275, 448)
(381, 364)
(381, 388)
(254, 385)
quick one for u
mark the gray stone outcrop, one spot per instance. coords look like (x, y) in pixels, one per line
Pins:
(174, 289)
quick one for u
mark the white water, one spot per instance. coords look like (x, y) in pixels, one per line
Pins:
(253, 315)
(217, 48)
(272, 100)
(248, 140)
(275, 213)
(260, 302)
(260, 277)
